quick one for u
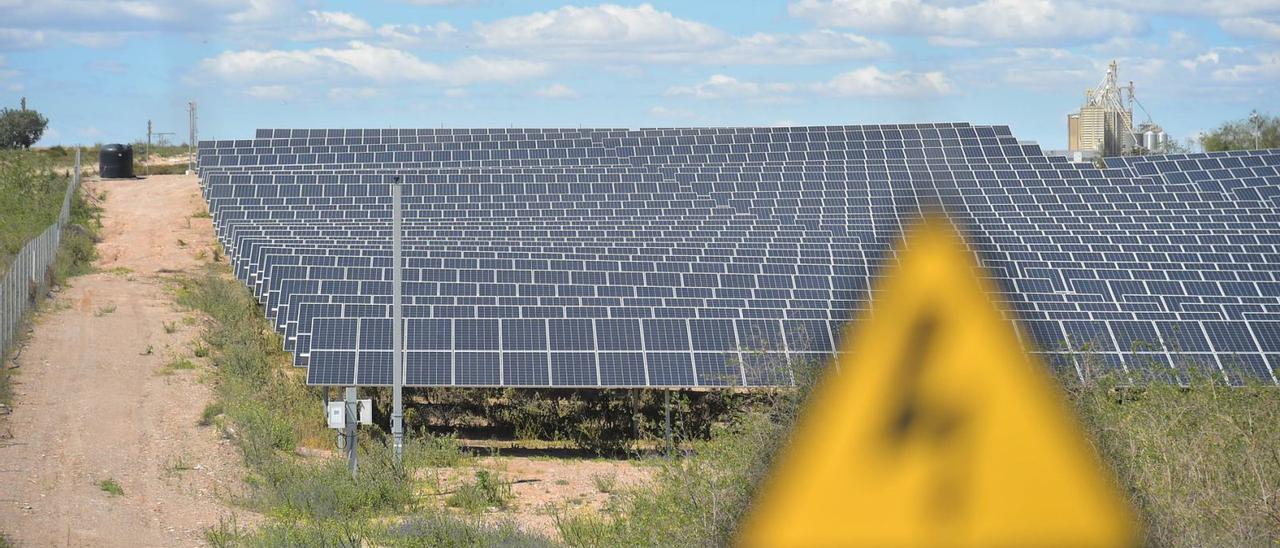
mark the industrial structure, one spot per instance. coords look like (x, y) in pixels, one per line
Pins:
(1104, 125)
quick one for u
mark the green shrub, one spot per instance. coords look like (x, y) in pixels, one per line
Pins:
(487, 491)
(427, 451)
(112, 487)
(446, 531)
(210, 413)
(1201, 463)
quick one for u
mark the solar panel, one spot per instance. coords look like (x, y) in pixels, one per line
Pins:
(719, 256)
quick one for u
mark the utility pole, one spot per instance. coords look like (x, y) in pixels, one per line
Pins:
(191, 139)
(397, 326)
(146, 156)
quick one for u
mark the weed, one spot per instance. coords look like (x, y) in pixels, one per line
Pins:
(440, 529)
(182, 242)
(217, 253)
(487, 491)
(201, 351)
(605, 482)
(170, 328)
(428, 451)
(178, 364)
(561, 482)
(201, 214)
(104, 310)
(201, 255)
(1201, 463)
(178, 464)
(5, 542)
(210, 412)
(111, 487)
(149, 351)
(226, 534)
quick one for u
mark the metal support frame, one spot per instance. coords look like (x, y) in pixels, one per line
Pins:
(397, 325)
(666, 407)
(353, 407)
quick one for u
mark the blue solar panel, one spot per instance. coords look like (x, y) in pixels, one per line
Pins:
(715, 256)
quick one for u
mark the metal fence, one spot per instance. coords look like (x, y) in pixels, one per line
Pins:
(28, 274)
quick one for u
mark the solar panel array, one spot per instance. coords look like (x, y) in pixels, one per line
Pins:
(718, 256)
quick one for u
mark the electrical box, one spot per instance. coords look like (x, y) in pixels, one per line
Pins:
(366, 411)
(336, 414)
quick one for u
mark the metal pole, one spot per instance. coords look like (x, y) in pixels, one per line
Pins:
(666, 396)
(191, 139)
(146, 162)
(353, 407)
(397, 326)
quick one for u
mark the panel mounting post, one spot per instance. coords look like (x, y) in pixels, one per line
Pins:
(353, 408)
(397, 325)
(666, 406)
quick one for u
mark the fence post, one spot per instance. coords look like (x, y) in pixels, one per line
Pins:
(30, 265)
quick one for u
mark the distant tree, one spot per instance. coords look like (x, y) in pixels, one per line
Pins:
(1257, 131)
(21, 128)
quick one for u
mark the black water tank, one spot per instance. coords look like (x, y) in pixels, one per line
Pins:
(115, 161)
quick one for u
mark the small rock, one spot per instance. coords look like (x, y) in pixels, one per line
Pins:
(4, 409)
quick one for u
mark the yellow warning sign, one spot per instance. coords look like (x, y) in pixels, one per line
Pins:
(938, 430)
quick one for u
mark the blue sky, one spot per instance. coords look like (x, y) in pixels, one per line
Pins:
(100, 69)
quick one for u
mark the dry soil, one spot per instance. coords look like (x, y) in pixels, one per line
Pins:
(96, 400)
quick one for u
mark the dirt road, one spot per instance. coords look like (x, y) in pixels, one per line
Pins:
(96, 399)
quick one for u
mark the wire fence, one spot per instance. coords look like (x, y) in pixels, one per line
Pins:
(28, 274)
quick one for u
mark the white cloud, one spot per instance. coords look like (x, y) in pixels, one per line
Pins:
(868, 81)
(987, 20)
(412, 34)
(557, 91)
(276, 92)
(11, 39)
(809, 47)
(720, 86)
(571, 26)
(950, 42)
(20, 38)
(1195, 8)
(1252, 27)
(646, 34)
(327, 25)
(379, 65)
(110, 23)
(142, 15)
(873, 82)
(1208, 58)
(1264, 67)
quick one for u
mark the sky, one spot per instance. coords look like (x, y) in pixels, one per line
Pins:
(100, 69)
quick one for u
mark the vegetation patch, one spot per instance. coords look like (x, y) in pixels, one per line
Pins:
(31, 195)
(265, 407)
(488, 490)
(111, 487)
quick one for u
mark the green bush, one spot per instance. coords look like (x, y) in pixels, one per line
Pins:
(445, 531)
(487, 491)
(1200, 463)
(31, 195)
(21, 127)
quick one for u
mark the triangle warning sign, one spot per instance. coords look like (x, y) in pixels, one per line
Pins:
(937, 429)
